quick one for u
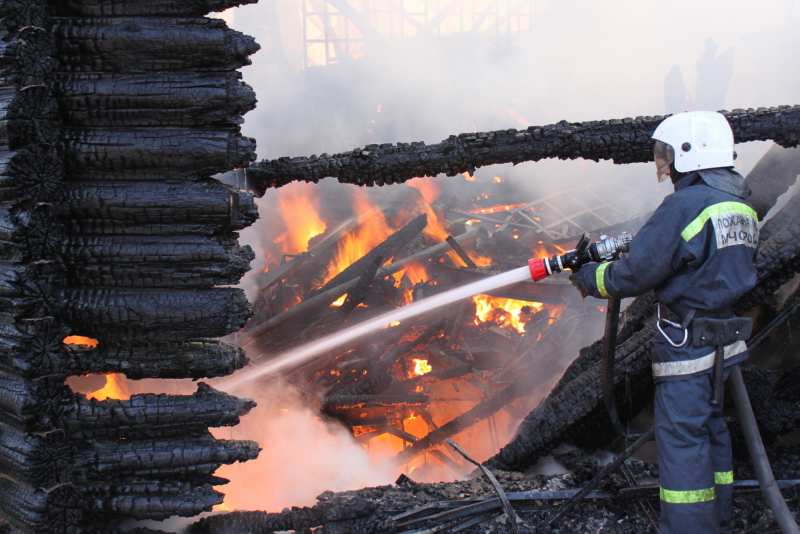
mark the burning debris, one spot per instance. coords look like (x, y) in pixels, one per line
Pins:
(425, 379)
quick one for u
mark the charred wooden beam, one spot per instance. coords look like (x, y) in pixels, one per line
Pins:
(149, 415)
(49, 459)
(143, 44)
(774, 173)
(620, 140)
(778, 257)
(156, 314)
(343, 282)
(111, 502)
(91, 205)
(196, 457)
(29, 404)
(34, 347)
(154, 153)
(312, 303)
(388, 248)
(145, 8)
(162, 261)
(38, 510)
(192, 359)
(190, 99)
(41, 458)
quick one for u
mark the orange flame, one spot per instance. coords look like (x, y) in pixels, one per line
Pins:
(421, 367)
(503, 312)
(416, 273)
(500, 208)
(429, 189)
(338, 303)
(545, 251)
(81, 341)
(115, 388)
(481, 261)
(361, 240)
(299, 206)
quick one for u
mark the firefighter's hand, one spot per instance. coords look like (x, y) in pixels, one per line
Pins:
(583, 279)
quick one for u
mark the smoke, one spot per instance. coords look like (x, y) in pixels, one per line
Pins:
(303, 455)
(581, 60)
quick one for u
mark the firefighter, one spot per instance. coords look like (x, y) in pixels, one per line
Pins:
(697, 252)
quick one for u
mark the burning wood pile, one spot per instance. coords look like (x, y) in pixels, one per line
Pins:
(338, 259)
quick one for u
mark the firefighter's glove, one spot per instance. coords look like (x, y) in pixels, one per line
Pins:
(584, 280)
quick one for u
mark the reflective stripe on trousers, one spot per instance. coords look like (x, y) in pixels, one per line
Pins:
(694, 456)
(697, 365)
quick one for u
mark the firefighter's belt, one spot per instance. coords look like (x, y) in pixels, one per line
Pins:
(709, 331)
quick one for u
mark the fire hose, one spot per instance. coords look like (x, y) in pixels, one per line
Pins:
(607, 249)
(610, 248)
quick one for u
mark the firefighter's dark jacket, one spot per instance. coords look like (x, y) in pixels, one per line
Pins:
(697, 250)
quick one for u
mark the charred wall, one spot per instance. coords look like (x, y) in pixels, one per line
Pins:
(116, 113)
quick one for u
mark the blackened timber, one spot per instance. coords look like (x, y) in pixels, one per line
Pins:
(156, 314)
(28, 403)
(579, 405)
(153, 153)
(143, 44)
(22, 13)
(47, 459)
(343, 282)
(175, 457)
(37, 510)
(337, 402)
(388, 248)
(778, 257)
(156, 261)
(150, 415)
(112, 502)
(192, 359)
(620, 140)
(191, 99)
(479, 412)
(32, 348)
(774, 173)
(39, 458)
(146, 8)
(206, 202)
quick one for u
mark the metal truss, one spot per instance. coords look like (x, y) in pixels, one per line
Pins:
(335, 30)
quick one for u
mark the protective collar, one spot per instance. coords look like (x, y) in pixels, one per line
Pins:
(723, 179)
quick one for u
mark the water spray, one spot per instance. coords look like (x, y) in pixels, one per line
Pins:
(537, 269)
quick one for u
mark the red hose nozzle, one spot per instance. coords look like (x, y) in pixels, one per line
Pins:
(539, 268)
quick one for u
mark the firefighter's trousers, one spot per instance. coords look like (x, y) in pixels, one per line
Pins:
(694, 457)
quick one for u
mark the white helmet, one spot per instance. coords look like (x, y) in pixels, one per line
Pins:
(693, 140)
